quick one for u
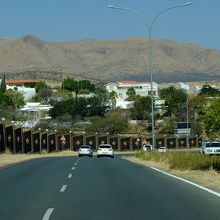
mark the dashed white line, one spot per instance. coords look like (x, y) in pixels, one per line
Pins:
(70, 176)
(75, 163)
(73, 168)
(48, 214)
(63, 188)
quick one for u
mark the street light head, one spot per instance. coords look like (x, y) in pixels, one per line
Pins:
(188, 4)
(111, 6)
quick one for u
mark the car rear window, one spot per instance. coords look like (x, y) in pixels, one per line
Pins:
(104, 146)
(85, 147)
(213, 145)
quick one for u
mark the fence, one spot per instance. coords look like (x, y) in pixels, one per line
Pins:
(19, 140)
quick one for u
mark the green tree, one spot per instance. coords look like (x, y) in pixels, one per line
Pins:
(131, 94)
(86, 84)
(2, 85)
(209, 91)
(141, 108)
(197, 106)
(45, 93)
(6, 100)
(113, 122)
(81, 107)
(58, 109)
(211, 119)
(99, 103)
(174, 99)
(17, 97)
(68, 84)
(40, 85)
(113, 96)
(96, 105)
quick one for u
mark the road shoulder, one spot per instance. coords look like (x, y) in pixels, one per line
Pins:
(209, 179)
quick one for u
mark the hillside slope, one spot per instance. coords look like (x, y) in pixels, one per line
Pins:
(107, 60)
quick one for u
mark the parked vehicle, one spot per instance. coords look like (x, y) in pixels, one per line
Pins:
(105, 150)
(211, 148)
(162, 149)
(147, 147)
(204, 144)
(85, 150)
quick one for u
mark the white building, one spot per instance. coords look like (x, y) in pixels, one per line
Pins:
(34, 111)
(141, 88)
(184, 86)
(121, 88)
(20, 86)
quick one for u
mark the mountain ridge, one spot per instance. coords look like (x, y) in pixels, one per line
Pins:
(108, 60)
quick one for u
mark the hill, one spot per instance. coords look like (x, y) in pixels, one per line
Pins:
(34, 58)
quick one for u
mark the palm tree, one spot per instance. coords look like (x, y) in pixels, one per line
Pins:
(113, 95)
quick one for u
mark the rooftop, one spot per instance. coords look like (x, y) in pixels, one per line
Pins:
(20, 81)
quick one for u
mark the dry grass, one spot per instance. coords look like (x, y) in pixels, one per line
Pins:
(209, 178)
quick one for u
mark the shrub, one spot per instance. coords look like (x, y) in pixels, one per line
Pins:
(183, 160)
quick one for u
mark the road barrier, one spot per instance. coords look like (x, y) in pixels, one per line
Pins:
(20, 140)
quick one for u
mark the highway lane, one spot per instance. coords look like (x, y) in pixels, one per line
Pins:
(66, 188)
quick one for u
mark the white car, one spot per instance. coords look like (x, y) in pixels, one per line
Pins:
(162, 149)
(147, 147)
(85, 150)
(204, 144)
(212, 148)
(105, 150)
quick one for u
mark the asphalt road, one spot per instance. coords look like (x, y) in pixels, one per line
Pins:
(69, 188)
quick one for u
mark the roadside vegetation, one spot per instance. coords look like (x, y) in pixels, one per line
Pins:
(179, 160)
(80, 105)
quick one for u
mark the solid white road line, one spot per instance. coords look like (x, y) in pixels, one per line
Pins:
(187, 181)
(48, 214)
(63, 188)
(73, 168)
(70, 176)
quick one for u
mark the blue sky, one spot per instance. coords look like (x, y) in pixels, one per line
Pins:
(62, 20)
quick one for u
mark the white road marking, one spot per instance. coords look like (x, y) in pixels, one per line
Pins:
(63, 188)
(48, 214)
(187, 181)
(73, 168)
(75, 163)
(70, 176)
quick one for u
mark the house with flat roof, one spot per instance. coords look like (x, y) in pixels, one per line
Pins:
(121, 88)
(141, 88)
(34, 112)
(25, 87)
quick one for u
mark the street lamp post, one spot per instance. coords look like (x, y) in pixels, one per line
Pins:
(187, 119)
(150, 28)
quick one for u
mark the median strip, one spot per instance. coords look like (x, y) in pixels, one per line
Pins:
(48, 214)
